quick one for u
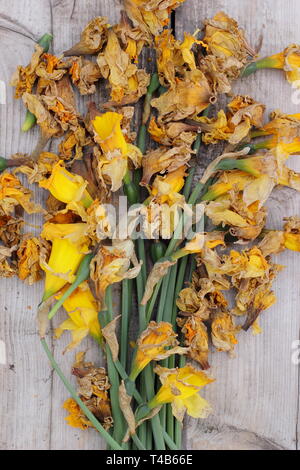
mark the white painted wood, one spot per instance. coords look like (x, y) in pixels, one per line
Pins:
(256, 396)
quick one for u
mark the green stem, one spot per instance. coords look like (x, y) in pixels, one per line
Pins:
(155, 421)
(142, 135)
(126, 302)
(138, 442)
(119, 427)
(110, 441)
(266, 63)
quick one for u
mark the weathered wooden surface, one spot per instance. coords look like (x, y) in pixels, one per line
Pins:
(256, 395)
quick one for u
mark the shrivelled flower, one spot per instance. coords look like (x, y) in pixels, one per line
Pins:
(93, 37)
(172, 134)
(156, 343)
(174, 57)
(93, 387)
(181, 388)
(29, 259)
(150, 16)
(84, 74)
(127, 82)
(166, 189)
(13, 193)
(112, 264)
(276, 241)
(223, 331)
(164, 159)
(196, 338)
(244, 113)
(25, 77)
(226, 41)
(186, 99)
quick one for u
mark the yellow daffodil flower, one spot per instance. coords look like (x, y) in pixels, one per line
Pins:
(199, 242)
(82, 309)
(153, 345)
(165, 189)
(281, 125)
(67, 187)
(181, 388)
(288, 61)
(69, 246)
(277, 241)
(116, 150)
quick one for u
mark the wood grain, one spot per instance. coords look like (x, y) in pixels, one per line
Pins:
(256, 395)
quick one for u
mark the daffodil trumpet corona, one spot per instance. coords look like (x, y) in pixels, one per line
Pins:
(69, 246)
(82, 275)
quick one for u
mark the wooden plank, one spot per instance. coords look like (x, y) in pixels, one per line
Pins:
(25, 381)
(69, 19)
(256, 395)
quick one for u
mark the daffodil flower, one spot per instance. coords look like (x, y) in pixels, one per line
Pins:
(153, 345)
(200, 242)
(67, 187)
(112, 264)
(276, 241)
(82, 310)
(181, 388)
(69, 246)
(288, 61)
(166, 189)
(116, 150)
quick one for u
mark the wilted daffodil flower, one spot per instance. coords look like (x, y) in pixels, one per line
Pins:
(166, 189)
(243, 113)
(112, 264)
(200, 242)
(153, 345)
(174, 56)
(92, 387)
(276, 241)
(280, 125)
(181, 388)
(288, 61)
(92, 38)
(186, 99)
(226, 41)
(67, 187)
(13, 193)
(69, 246)
(116, 150)
(223, 331)
(150, 16)
(128, 83)
(82, 309)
